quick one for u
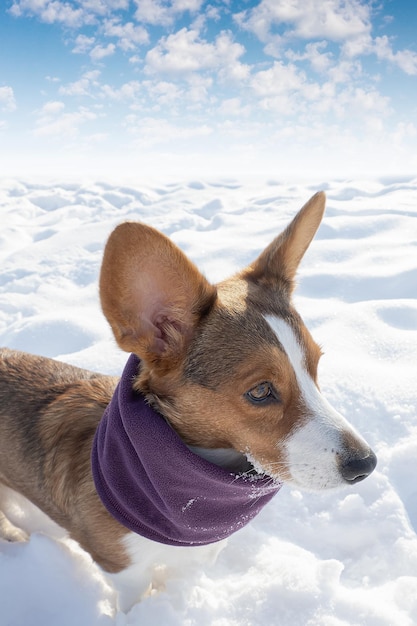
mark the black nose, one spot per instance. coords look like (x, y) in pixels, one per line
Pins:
(355, 469)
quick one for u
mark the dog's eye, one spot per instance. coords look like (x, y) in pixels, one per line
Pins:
(264, 392)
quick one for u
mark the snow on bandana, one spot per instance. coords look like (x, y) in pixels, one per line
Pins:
(155, 486)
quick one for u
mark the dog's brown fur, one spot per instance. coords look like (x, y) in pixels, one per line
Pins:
(47, 457)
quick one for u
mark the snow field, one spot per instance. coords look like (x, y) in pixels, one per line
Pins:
(344, 558)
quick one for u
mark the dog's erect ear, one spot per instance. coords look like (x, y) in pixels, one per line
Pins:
(151, 293)
(280, 260)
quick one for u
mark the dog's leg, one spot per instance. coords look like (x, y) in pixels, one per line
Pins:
(9, 532)
(131, 586)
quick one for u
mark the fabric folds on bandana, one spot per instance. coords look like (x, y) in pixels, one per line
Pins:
(155, 486)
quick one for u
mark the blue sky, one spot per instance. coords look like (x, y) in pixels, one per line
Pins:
(285, 87)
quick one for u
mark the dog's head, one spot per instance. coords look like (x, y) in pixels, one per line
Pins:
(231, 365)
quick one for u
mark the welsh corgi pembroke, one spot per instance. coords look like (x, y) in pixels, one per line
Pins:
(217, 407)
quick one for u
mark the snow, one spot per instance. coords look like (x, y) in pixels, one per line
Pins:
(339, 558)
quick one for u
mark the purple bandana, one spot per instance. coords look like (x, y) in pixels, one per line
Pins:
(154, 485)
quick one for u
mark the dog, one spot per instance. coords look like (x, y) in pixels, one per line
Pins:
(218, 406)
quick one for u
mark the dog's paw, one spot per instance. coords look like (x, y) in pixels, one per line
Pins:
(9, 532)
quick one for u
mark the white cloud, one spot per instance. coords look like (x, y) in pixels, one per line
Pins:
(360, 107)
(181, 52)
(65, 125)
(179, 6)
(83, 44)
(128, 91)
(64, 12)
(201, 18)
(52, 107)
(357, 46)
(406, 60)
(278, 79)
(152, 12)
(163, 92)
(356, 108)
(282, 89)
(184, 52)
(104, 7)
(198, 88)
(187, 97)
(319, 61)
(285, 89)
(336, 20)
(83, 87)
(233, 107)
(345, 71)
(89, 86)
(50, 11)
(100, 52)
(381, 47)
(129, 35)
(7, 99)
(159, 12)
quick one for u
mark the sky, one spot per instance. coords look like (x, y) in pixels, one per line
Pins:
(185, 87)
